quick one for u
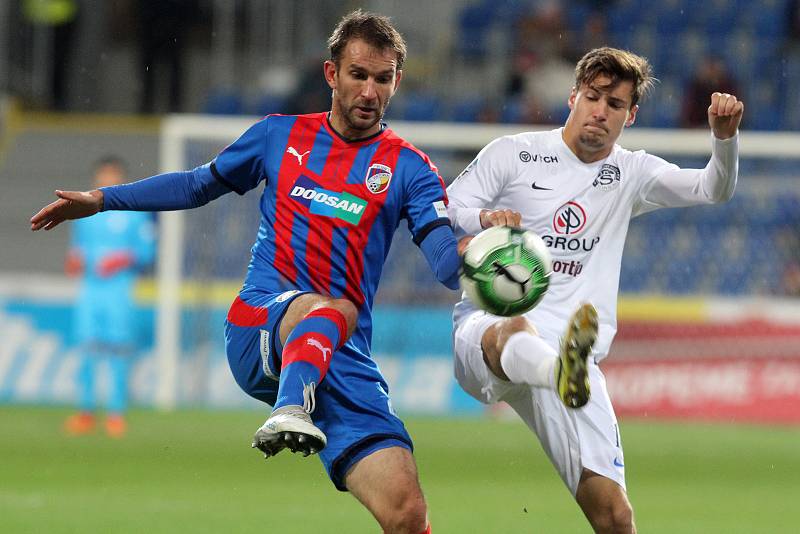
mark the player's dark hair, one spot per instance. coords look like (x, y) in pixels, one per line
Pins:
(620, 66)
(113, 160)
(376, 30)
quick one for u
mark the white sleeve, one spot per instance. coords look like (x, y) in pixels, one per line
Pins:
(479, 185)
(675, 187)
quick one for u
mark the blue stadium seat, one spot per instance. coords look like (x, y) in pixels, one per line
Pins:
(734, 277)
(507, 12)
(511, 111)
(790, 74)
(666, 105)
(634, 275)
(474, 22)
(788, 208)
(624, 16)
(642, 41)
(422, 106)
(467, 110)
(575, 16)
(224, 102)
(738, 51)
(765, 108)
(671, 16)
(715, 17)
(681, 277)
(266, 104)
(768, 17)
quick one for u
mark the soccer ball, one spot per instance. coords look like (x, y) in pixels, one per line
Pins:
(506, 271)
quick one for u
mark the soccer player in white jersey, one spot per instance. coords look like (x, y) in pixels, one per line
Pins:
(578, 190)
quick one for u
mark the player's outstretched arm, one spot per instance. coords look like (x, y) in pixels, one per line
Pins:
(70, 205)
(725, 115)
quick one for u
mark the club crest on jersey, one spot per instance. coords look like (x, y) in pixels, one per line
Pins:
(608, 178)
(378, 178)
(334, 204)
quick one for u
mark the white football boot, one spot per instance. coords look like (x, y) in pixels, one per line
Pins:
(289, 427)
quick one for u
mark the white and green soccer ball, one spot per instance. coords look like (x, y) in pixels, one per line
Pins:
(506, 271)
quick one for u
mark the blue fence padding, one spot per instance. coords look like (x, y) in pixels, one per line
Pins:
(412, 346)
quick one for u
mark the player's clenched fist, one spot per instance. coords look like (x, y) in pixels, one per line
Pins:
(491, 218)
(724, 115)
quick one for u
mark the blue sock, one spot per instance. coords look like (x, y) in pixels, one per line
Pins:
(307, 355)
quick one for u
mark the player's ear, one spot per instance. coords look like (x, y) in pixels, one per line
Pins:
(398, 75)
(632, 115)
(329, 68)
(571, 100)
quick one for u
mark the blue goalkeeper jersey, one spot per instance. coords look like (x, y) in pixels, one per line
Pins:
(109, 233)
(330, 206)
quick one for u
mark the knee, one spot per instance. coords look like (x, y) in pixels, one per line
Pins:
(495, 339)
(409, 516)
(616, 518)
(510, 326)
(346, 308)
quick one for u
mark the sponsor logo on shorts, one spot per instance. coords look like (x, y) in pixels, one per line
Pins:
(378, 178)
(334, 204)
(618, 462)
(264, 349)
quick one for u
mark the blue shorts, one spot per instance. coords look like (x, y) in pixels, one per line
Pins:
(352, 402)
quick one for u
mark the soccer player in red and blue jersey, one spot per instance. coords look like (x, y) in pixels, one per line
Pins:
(337, 186)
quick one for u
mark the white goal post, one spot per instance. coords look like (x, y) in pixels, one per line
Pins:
(178, 130)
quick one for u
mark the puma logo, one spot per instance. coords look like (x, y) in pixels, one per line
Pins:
(325, 350)
(291, 150)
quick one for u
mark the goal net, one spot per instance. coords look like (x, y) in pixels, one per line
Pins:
(696, 264)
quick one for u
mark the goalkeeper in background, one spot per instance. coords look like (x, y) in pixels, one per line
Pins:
(298, 336)
(578, 190)
(107, 252)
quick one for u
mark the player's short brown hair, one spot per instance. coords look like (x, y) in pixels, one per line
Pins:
(619, 65)
(376, 30)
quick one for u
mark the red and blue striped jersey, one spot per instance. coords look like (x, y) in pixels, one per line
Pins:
(330, 206)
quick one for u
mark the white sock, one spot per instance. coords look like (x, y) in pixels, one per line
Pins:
(527, 359)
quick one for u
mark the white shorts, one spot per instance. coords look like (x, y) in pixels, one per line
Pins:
(573, 439)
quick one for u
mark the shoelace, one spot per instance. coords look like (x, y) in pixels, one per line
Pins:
(309, 402)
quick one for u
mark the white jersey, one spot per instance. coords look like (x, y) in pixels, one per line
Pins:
(581, 211)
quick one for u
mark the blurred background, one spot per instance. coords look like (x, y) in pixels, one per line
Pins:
(709, 314)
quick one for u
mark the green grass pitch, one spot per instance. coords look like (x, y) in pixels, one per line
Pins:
(193, 471)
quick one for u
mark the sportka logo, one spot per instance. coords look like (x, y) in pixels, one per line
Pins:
(319, 201)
